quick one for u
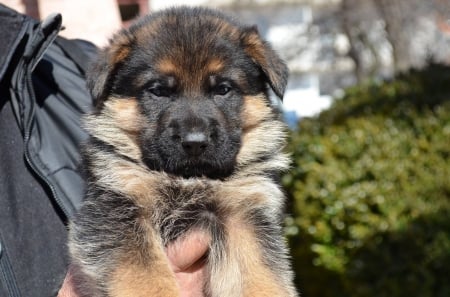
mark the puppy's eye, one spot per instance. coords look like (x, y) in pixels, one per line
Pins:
(161, 91)
(222, 89)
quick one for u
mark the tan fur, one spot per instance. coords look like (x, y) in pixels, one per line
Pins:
(167, 66)
(239, 193)
(137, 276)
(254, 111)
(243, 272)
(244, 245)
(120, 54)
(269, 62)
(255, 48)
(130, 179)
(126, 115)
(260, 134)
(214, 66)
(228, 30)
(118, 125)
(131, 280)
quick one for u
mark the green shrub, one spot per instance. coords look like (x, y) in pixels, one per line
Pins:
(370, 191)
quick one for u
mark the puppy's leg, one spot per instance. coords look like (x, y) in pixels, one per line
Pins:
(144, 275)
(251, 257)
(248, 266)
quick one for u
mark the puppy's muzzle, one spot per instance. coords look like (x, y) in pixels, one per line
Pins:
(192, 135)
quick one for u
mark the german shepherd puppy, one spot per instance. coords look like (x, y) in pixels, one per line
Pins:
(184, 137)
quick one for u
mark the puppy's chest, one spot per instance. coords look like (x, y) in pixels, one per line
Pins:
(186, 205)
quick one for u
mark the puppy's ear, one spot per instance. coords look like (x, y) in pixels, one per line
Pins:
(101, 72)
(271, 64)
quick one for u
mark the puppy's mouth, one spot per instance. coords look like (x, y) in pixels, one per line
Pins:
(193, 167)
(199, 167)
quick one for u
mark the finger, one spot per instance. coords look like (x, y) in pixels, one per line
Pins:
(67, 289)
(188, 250)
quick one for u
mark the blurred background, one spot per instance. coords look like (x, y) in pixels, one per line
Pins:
(368, 104)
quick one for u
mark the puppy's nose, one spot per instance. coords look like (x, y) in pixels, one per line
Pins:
(195, 143)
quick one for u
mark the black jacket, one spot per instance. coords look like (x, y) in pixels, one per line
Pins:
(42, 97)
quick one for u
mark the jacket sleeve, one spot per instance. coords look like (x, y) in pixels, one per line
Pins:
(42, 99)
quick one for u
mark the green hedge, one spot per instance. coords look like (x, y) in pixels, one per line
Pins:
(370, 191)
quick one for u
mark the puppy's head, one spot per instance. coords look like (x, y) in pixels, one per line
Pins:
(180, 84)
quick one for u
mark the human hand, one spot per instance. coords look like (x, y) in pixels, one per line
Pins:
(67, 289)
(187, 260)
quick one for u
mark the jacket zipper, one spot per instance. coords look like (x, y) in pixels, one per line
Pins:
(28, 126)
(27, 136)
